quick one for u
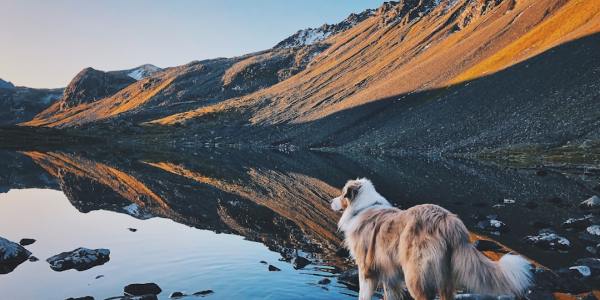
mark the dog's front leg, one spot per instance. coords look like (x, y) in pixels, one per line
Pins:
(367, 286)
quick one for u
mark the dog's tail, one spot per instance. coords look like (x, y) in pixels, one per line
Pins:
(473, 270)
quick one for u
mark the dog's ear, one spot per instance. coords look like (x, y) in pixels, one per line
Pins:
(352, 190)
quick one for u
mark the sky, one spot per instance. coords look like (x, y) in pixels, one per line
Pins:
(44, 44)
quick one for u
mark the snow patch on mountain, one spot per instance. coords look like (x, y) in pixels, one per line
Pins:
(143, 71)
(310, 36)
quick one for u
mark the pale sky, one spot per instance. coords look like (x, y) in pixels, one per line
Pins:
(45, 43)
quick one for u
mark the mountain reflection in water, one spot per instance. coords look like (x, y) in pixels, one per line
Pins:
(281, 200)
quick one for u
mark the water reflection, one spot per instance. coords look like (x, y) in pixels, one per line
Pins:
(280, 200)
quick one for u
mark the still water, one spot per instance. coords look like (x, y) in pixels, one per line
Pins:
(207, 220)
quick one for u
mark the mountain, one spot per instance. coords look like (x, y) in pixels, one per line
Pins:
(6, 84)
(414, 75)
(20, 104)
(142, 71)
(181, 88)
(89, 85)
(310, 36)
(433, 76)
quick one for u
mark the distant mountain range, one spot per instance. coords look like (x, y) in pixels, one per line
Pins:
(414, 75)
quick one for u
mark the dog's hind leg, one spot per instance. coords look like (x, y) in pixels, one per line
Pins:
(367, 286)
(394, 289)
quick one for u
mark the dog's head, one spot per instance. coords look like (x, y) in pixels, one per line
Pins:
(350, 193)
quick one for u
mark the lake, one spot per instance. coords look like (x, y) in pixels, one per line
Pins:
(216, 219)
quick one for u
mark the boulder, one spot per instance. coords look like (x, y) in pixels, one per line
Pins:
(591, 203)
(176, 295)
(140, 289)
(300, 262)
(492, 226)
(273, 268)
(549, 240)
(11, 255)
(203, 293)
(79, 259)
(577, 223)
(592, 264)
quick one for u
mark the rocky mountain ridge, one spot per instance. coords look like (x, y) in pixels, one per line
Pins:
(380, 80)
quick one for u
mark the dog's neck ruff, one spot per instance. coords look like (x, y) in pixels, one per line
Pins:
(365, 200)
(374, 204)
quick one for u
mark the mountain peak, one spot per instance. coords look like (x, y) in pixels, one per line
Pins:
(90, 85)
(142, 71)
(6, 84)
(310, 36)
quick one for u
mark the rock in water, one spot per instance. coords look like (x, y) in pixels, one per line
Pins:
(11, 255)
(203, 293)
(176, 295)
(26, 242)
(79, 259)
(273, 268)
(140, 289)
(325, 281)
(300, 262)
(81, 298)
(591, 203)
(349, 277)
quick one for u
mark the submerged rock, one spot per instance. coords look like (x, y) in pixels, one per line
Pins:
(325, 281)
(11, 255)
(591, 203)
(300, 262)
(273, 268)
(203, 293)
(140, 289)
(33, 259)
(26, 242)
(79, 259)
(81, 298)
(349, 277)
(549, 240)
(176, 295)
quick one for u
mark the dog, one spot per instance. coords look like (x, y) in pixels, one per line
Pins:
(424, 249)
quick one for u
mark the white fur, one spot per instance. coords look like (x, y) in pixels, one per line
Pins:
(517, 270)
(367, 196)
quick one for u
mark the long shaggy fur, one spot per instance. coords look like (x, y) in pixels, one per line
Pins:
(424, 248)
